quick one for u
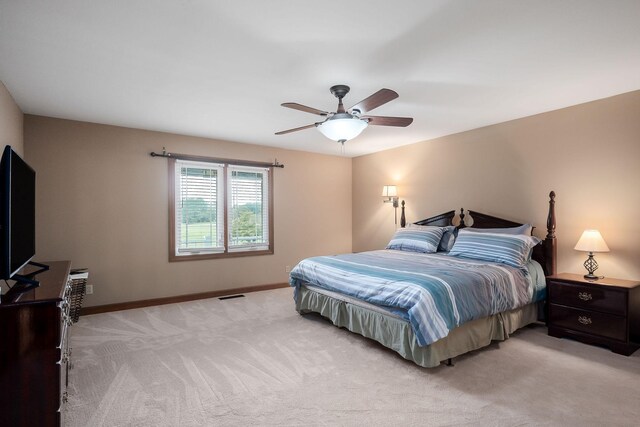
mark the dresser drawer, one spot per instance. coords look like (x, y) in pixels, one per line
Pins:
(594, 297)
(590, 322)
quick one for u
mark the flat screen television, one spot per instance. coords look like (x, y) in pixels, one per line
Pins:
(17, 214)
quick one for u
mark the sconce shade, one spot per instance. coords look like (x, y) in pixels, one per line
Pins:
(591, 241)
(389, 191)
(342, 127)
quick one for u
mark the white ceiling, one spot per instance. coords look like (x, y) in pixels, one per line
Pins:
(221, 69)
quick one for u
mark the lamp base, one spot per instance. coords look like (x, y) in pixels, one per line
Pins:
(591, 265)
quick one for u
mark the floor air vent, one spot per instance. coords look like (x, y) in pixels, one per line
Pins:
(230, 297)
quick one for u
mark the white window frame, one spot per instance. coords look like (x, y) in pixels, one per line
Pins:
(265, 196)
(218, 246)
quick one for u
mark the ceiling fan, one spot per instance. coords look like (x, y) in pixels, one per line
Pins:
(344, 125)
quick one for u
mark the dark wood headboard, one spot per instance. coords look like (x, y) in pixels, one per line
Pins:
(544, 253)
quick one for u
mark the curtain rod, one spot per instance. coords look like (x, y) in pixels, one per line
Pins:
(166, 154)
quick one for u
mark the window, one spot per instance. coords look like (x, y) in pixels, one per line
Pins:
(219, 210)
(248, 210)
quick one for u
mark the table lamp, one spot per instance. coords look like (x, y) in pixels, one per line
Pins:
(591, 241)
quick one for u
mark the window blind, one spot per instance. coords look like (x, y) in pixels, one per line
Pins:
(199, 207)
(248, 208)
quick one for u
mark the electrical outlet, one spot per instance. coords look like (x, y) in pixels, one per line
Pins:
(287, 269)
(89, 289)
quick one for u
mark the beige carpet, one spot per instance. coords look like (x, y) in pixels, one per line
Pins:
(255, 361)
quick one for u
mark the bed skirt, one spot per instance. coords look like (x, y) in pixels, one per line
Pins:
(395, 333)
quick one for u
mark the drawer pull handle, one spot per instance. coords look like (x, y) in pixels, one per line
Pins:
(585, 296)
(584, 320)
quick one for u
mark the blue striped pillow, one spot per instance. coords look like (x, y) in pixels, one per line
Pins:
(522, 229)
(509, 249)
(417, 239)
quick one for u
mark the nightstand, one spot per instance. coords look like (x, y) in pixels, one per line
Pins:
(604, 312)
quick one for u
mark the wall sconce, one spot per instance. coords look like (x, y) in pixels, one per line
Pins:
(391, 194)
(591, 241)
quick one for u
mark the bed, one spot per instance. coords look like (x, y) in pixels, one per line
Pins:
(469, 302)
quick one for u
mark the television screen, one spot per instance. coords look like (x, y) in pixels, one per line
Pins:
(17, 210)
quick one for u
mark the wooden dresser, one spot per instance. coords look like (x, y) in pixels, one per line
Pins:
(34, 351)
(604, 312)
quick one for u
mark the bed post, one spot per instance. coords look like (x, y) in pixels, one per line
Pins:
(403, 219)
(550, 244)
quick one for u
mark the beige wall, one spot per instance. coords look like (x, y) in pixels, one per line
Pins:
(11, 119)
(589, 154)
(102, 203)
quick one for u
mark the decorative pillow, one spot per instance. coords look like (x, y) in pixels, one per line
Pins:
(448, 238)
(509, 249)
(417, 239)
(522, 229)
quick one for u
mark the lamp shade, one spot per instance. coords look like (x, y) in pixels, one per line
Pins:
(591, 241)
(389, 191)
(342, 127)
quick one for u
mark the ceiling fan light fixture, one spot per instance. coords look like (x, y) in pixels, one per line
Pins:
(342, 127)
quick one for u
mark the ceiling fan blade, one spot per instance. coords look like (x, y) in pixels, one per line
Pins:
(296, 129)
(374, 101)
(388, 121)
(304, 108)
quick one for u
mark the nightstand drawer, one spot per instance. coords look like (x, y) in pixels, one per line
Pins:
(594, 297)
(590, 322)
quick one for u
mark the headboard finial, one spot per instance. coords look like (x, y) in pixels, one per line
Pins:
(461, 225)
(403, 219)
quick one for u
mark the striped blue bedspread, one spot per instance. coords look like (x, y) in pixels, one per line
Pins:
(435, 293)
